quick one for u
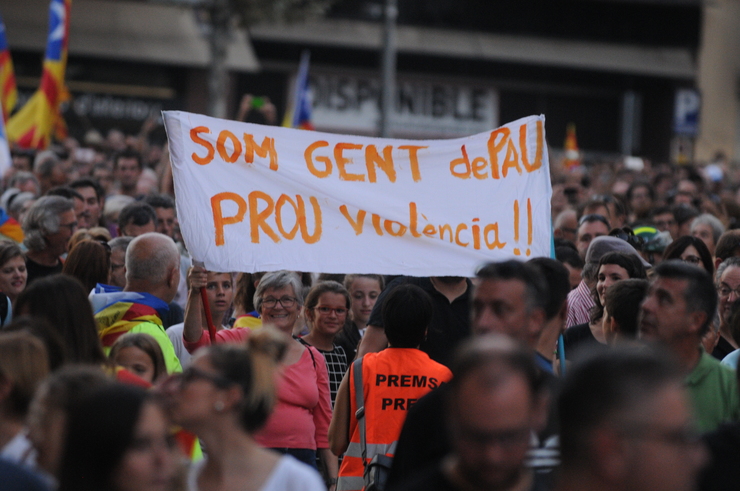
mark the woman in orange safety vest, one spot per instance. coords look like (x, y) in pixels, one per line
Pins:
(393, 380)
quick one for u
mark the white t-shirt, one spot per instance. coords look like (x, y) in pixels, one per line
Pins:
(288, 475)
(19, 450)
(174, 332)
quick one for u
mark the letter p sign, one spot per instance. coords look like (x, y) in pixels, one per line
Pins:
(686, 112)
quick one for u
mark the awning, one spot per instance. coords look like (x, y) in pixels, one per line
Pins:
(132, 31)
(620, 58)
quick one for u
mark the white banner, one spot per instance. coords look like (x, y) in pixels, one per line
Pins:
(262, 198)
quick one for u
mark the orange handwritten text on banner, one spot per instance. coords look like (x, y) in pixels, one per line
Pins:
(266, 215)
(500, 142)
(460, 234)
(230, 148)
(320, 164)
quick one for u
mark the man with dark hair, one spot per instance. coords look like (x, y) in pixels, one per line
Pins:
(493, 404)
(48, 226)
(80, 211)
(640, 197)
(625, 425)
(127, 168)
(511, 298)
(164, 207)
(622, 303)
(590, 227)
(93, 196)
(728, 246)
(663, 219)
(556, 309)
(680, 305)
(572, 262)
(135, 219)
(684, 215)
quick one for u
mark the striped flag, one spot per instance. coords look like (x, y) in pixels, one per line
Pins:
(299, 114)
(33, 125)
(8, 89)
(5, 158)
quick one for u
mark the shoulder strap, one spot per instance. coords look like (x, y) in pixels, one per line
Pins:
(308, 347)
(360, 403)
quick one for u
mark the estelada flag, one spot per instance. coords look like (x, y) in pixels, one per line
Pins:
(299, 115)
(8, 89)
(33, 125)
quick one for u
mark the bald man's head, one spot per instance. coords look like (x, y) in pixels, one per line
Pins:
(152, 264)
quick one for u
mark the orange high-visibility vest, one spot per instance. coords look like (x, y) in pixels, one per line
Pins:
(393, 381)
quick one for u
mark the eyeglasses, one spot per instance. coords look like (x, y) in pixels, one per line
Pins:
(191, 374)
(726, 291)
(329, 310)
(286, 302)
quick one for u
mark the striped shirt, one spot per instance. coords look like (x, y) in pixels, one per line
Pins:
(579, 305)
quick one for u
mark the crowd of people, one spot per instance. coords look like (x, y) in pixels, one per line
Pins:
(124, 366)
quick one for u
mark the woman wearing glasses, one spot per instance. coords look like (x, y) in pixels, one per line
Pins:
(326, 308)
(691, 250)
(300, 422)
(225, 397)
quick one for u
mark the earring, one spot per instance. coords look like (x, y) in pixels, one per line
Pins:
(218, 406)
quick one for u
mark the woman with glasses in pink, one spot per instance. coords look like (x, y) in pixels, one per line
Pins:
(326, 309)
(300, 422)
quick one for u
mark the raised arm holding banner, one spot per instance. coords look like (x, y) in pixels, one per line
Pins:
(261, 198)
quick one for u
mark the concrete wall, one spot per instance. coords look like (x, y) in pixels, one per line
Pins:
(719, 80)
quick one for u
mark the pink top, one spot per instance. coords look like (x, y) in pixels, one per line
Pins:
(303, 411)
(236, 335)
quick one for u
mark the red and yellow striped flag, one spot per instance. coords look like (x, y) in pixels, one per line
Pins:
(33, 125)
(8, 89)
